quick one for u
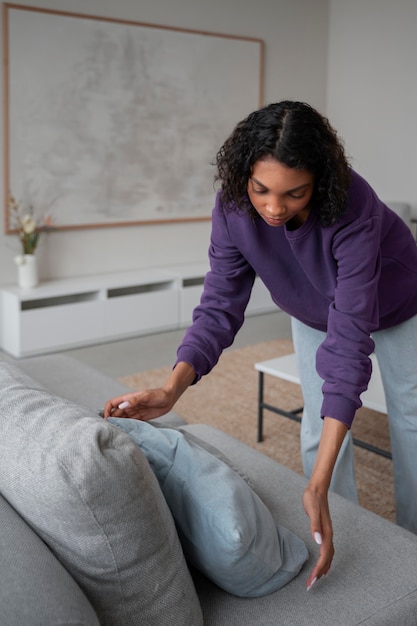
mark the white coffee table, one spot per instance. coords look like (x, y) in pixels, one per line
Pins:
(285, 367)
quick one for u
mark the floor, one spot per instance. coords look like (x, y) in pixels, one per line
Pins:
(121, 358)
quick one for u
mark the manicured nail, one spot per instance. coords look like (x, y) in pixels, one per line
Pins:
(317, 536)
(313, 582)
(124, 405)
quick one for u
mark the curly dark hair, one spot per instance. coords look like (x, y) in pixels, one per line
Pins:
(297, 136)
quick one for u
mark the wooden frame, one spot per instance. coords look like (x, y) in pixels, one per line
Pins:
(111, 122)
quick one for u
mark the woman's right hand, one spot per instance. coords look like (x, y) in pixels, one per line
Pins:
(151, 403)
(140, 405)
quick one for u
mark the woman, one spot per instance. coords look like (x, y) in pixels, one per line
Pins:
(342, 264)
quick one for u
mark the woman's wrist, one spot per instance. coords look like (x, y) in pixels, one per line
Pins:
(331, 440)
(181, 377)
(318, 486)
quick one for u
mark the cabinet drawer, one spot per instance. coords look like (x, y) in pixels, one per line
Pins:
(48, 328)
(140, 313)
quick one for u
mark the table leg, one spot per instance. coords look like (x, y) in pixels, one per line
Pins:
(260, 405)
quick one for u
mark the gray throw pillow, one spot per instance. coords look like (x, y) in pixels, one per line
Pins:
(89, 493)
(227, 532)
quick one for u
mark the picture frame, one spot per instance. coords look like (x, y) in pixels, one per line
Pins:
(112, 122)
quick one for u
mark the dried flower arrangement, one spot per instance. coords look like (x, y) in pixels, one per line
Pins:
(28, 226)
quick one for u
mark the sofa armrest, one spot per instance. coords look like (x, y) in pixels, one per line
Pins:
(35, 589)
(74, 380)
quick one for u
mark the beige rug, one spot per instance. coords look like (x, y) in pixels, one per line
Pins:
(227, 399)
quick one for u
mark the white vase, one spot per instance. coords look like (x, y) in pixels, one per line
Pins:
(27, 268)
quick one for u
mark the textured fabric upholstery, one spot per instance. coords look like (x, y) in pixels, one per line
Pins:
(90, 494)
(372, 582)
(373, 579)
(68, 378)
(35, 589)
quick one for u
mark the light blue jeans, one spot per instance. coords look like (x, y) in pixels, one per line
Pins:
(396, 351)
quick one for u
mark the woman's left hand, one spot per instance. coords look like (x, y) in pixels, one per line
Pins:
(315, 498)
(317, 508)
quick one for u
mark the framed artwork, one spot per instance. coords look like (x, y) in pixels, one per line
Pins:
(109, 122)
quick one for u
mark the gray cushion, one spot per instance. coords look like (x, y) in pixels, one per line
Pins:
(226, 530)
(89, 493)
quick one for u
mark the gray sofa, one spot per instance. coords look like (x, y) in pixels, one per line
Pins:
(373, 580)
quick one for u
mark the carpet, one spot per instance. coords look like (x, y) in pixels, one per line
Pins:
(227, 399)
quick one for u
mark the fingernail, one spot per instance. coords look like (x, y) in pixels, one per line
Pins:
(313, 582)
(124, 405)
(317, 536)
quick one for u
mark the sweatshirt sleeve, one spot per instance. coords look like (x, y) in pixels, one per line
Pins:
(227, 289)
(343, 358)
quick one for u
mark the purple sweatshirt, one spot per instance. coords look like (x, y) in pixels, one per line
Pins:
(349, 280)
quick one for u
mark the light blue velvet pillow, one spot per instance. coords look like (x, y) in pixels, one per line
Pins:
(226, 531)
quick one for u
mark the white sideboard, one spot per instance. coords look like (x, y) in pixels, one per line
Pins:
(71, 312)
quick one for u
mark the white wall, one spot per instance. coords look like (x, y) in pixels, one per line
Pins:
(372, 91)
(295, 34)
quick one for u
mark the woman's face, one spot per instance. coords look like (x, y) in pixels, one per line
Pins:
(280, 193)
